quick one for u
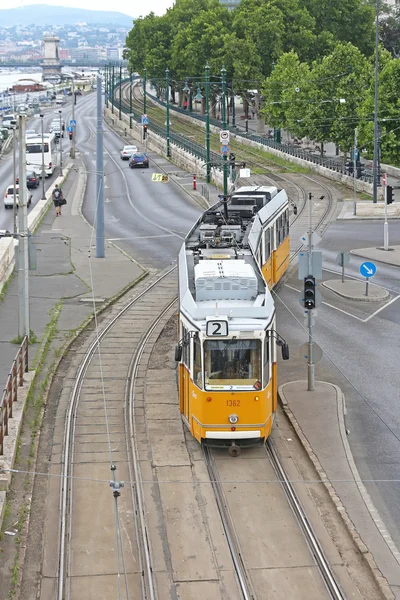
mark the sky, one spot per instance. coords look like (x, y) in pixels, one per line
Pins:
(133, 9)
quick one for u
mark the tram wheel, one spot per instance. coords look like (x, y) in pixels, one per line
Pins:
(234, 450)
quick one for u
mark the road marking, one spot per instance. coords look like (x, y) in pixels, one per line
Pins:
(346, 312)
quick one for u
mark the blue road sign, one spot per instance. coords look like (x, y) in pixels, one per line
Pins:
(70, 128)
(145, 120)
(225, 149)
(368, 269)
(72, 122)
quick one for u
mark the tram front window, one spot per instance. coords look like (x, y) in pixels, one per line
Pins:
(232, 363)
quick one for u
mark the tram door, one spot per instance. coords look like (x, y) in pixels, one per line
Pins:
(186, 378)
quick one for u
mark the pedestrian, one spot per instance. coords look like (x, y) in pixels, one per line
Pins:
(58, 199)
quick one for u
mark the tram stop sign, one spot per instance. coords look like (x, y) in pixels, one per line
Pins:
(317, 352)
(343, 259)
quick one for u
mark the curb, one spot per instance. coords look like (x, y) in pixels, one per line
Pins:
(358, 298)
(383, 262)
(355, 536)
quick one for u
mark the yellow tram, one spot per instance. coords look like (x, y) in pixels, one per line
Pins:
(227, 332)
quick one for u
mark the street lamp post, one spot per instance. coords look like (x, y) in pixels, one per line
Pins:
(225, 159)
(112, 90)
(144, 89)
(167, 100)
(376, 174)
(208, 166)
(120, 91)
(43, 172)
(15, 218)
(61, 137)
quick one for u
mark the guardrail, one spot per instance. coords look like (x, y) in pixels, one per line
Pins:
(15, 379)
(329, 163)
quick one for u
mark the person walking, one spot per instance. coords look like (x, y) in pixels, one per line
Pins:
(57, 199)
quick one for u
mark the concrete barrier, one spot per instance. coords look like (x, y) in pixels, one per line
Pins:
(7, 245)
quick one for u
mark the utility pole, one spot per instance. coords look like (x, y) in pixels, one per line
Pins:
(61, 137)
(208, 165)
(112, 90)
(167, 99)
(23, 258)
(355, 172)
(72, 151)
(99, 177)
(120, 92)
(130, 100)
(43, 170)
(376, 130)
(309, 313)
(15, 211)
(225, 158)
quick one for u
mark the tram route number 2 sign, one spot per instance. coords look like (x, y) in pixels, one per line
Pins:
(159, 177)
(217, 328)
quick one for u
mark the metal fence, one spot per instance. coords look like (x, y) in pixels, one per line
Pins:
(15, 379)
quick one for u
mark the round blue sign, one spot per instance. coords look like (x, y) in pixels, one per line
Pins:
(368, 269)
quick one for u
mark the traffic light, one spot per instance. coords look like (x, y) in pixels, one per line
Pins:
(232, 159)
(389, 195)
(144, 131)
(309, 292)
(70, 133)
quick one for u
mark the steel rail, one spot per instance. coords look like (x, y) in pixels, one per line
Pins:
(69, 429)
(233, 542)
(305, 525)
(137, 489)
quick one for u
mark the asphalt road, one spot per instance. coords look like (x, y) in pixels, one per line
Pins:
(361, 349)
(6, 162)
(149, 220)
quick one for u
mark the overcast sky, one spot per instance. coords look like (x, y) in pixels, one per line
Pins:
(133, 9)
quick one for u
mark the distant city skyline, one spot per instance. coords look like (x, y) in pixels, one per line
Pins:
(157, 6)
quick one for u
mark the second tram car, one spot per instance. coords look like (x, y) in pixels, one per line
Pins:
(227, 329)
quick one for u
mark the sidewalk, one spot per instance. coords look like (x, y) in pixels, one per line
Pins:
(318, 418)
(65, 252)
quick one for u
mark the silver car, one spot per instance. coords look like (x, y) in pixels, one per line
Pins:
(127, 152)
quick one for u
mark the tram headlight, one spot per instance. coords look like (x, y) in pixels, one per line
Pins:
(233, 419)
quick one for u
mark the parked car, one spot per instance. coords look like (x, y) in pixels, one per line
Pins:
(127, 152)
(5, 233)
(9, 196)
(139, 159)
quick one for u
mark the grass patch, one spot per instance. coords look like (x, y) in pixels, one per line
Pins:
(33, 339)
(6, 285)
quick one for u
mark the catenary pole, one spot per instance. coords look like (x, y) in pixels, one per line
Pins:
(120, 93)
(225, 159)
(355, 172)
(15, 212)
(23, 259)
(376, 129)
(61, 150)
(309, 312)
(43, 170)
(144, 90)
(99, 177)
(72, 151)
(167, 99)
(208, 165)
(130, 100)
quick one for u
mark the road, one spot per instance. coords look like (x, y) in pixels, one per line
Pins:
(361, 354)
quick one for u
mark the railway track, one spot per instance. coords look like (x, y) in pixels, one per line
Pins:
(111, 360)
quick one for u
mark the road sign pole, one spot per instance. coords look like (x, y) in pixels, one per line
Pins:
(310, 369)
(342, 268)
(366, 285)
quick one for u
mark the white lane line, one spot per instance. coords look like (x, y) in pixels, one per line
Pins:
(382, 308)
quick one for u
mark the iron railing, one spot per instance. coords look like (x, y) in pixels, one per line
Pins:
(15, 379)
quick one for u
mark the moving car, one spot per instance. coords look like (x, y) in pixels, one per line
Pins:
(9, 196)
(32, 179)
(139, 159)
(56, 129)
(127, 152)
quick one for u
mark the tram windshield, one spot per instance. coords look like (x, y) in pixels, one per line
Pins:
(232, 364)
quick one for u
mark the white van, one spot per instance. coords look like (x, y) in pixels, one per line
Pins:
(9, 121)
(9, 196)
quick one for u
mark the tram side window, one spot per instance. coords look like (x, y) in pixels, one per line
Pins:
(267, 242)
(266, 361)
(197, 362)
(185, 347)
(287, 223)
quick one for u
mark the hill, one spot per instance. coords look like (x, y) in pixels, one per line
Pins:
(61, 15)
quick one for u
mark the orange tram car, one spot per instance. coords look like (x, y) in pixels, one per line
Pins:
(235, 253)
